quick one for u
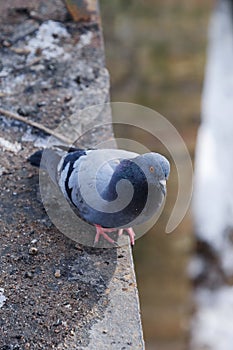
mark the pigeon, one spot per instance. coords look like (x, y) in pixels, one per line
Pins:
(111, 189)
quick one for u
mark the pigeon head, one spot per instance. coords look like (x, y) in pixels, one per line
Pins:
(165, 165)
(150, 169)
(156, 169)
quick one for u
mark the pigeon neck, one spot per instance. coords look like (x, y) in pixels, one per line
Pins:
(127, 170)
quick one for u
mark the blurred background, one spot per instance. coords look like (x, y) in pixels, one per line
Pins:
(156, 52)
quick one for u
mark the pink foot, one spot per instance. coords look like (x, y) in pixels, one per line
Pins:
(130, 232)
(101, 231)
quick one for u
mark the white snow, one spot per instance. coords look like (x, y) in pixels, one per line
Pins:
(47, 40)
(9, 146)
(213, 194)
(213, 324)
(195, 267)
(84, 40)
(2, 297)
(40, 142)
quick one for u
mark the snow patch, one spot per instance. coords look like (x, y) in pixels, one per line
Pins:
(9, 146)
(213, 194)
(38, 141)
(2, 170)
(213, 322)
(84, 40)
(47, 40)
(212, 326)
(195, 267)
(2, 297)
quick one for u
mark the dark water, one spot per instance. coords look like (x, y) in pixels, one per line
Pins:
(156, 56)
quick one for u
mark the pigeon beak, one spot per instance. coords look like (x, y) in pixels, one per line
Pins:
(163, 182)
(163, 186)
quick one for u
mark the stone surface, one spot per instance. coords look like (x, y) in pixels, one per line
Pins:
(54, 293)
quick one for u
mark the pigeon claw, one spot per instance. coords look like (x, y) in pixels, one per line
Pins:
(101, 231)
(130, 232)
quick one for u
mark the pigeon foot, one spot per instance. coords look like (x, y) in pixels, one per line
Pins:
(130, 232)
(101, 231)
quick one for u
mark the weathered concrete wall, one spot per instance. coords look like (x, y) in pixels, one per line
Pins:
(54, 293)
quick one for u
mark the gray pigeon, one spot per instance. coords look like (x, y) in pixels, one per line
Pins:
(111, 189)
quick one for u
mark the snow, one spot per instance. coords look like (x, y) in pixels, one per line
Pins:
(85, 39)
(9, 146)
(2, 297)
(213, 323)
(38, 141)
(213, 194)
(195, 267)
(47, 40)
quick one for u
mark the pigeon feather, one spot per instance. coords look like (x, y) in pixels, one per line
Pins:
(110, 188)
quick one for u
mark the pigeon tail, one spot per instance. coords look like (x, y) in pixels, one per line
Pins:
(35, 158)
(47, 160)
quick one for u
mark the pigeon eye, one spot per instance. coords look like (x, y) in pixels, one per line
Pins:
(152, 169)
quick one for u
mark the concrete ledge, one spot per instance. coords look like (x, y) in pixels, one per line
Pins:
(54, 293)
